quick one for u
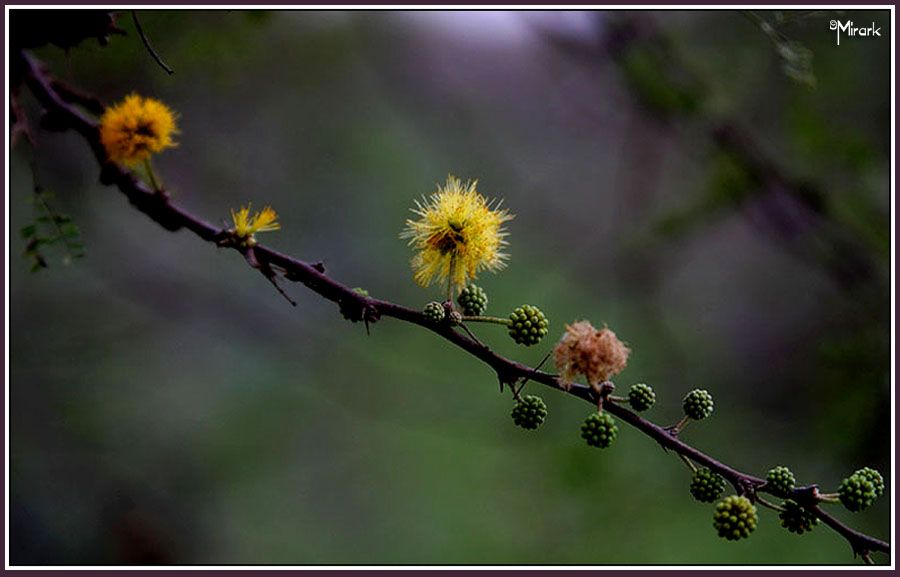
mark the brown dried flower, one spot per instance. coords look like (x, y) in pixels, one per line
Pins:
(596, 354)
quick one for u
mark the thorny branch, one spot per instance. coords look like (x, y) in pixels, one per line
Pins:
(60, 106)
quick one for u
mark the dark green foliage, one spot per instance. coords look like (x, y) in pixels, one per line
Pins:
(796, 58)
(652, 79)
(50, 229)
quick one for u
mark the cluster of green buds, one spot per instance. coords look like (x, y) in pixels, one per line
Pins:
(859, 490)
(735, 517)
(529, 412)
(527, 325)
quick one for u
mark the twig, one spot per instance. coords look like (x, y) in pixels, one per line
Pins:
(173, 217)
(687, 462)
(768, 504)
(140, 30)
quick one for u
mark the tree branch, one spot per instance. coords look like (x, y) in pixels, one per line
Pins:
(359, 307)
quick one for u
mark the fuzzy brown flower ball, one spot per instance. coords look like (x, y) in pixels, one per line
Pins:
(584, 350)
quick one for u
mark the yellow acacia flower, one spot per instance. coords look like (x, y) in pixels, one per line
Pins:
(136, 128)
(245, 225)
(458, 234)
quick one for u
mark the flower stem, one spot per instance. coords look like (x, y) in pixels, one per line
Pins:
(450, 279)
(829, 497)
(494, 320)
(679, 426)
(688, 462)
(765, 503)
(151, 175)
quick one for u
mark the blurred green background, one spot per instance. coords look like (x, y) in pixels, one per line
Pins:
(168, 406)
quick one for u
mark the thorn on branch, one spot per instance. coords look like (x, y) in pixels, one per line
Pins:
(267, 271)
(140, 30)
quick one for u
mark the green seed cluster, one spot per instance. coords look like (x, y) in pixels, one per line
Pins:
(735, 518)
(707, 485)
(528, 325)
(873, 477)
(529, 412)
(434, 312)
(698, 404)
(599, 430)
(857, 492)
(795, 518)
(780, 480)
(473, 301)
(641, 397)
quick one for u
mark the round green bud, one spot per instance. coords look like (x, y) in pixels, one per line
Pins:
(528, 325)
(707, 485)
(735, 518)
(780, 481)
(873, 477)
(698, 404)
(529, 412)
(795, 518)
(641, 397)
(857, 492)
(599, 430)
(473, 301)
(434, 312)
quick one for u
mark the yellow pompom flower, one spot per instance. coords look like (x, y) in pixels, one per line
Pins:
(458, 234)
(245, 225)
(136, 128)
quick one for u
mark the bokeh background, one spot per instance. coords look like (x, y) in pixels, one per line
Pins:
(714, 185)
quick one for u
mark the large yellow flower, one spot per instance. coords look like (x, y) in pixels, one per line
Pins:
(458, 234)
(136, 128)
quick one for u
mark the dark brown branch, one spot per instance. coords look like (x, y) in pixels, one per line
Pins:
(357, 306)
